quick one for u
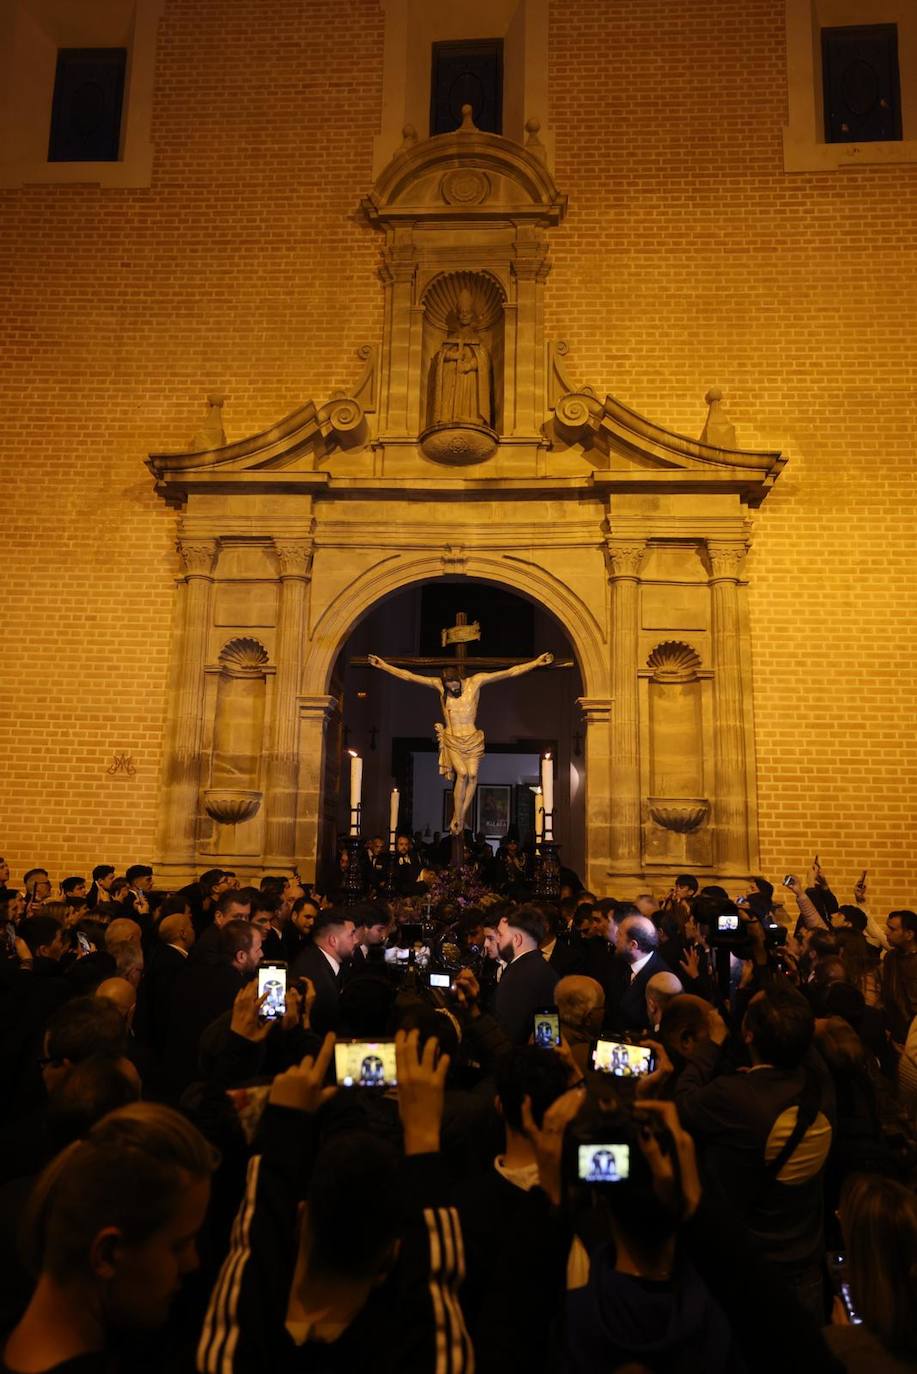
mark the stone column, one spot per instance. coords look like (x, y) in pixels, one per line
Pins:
(625, 558)
(597, 716)
(319, 782)
(282, 779)
(399, 272)
(729, 808)
(530, 268)
(182, 774)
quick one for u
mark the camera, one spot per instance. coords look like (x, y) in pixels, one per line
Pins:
(623, 1060)
(272, 981)
(546, 1028)
(365, 1063)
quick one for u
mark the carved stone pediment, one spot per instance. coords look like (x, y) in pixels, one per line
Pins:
(476, 175)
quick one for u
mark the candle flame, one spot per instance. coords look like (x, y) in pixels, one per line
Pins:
(353, 753)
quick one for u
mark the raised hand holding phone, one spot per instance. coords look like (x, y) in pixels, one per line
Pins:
(302, 1088)
(548, 1138)
(246, 1014)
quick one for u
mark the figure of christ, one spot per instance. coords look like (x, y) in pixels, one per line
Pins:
(461, 743)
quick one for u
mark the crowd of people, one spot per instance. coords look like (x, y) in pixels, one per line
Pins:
(445, 1124)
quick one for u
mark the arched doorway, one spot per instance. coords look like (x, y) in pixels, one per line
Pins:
(390, 723)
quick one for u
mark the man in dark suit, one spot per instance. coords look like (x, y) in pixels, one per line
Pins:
(636, 946)
(203, 991)
(528, 980)
(333, 939)
(168, 956)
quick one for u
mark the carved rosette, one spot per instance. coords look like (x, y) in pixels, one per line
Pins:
(294, 557)
(197, 556)
(726, 559)
(624, 557)
(465, 186)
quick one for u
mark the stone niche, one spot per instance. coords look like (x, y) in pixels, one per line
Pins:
(463, 449)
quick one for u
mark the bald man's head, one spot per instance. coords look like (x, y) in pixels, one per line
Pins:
(637, 937)
(122, 931)
(177, 929)
(660, 990)
(580, 1003)
(122, 994)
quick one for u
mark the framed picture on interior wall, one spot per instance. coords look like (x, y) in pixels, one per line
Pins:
(495, 809)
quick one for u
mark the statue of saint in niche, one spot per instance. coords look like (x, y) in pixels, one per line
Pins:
(461, 743)
(461, 372)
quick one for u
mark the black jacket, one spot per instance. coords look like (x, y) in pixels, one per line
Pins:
(629, 1012)
(410, 1324)
(527, 984)
(311, 963)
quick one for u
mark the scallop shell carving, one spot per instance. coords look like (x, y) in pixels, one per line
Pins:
(442, 295)
(673, 660)
(244, 656)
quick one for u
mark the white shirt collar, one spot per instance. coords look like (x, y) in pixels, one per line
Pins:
(637, 965)
(331, 960)
(181, 949)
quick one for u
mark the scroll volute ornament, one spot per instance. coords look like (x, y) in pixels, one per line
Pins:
(294, 557)
(624, 558)
(726, 559)
(197, 556)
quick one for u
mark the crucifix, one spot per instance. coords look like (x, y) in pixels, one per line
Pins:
(461, 743)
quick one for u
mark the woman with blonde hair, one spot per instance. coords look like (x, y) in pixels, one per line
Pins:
(879, 1220)
(112, 1232)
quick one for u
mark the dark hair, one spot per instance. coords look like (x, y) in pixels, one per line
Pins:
(624, 909)
(765, 888)
(138, 871)
(854, 917)
(95, 1086)
(38, 931)
(908, 920)
(432, 1025)
(68, 884)
(234, 937)
(332, 916)
(266, 900)
(231, 897)
(272, 883)
(879, 1218)
(35, 873)
(306, 901)
(529, 1072)
(102, 871)
(713, 891)
(781, 1024)
(686, 880)
(130, 1172)
(208, 881)
(174, 905)
(352, 1228)
(83, 1027)
(683, 1014)
(823, 944)
(528, 919)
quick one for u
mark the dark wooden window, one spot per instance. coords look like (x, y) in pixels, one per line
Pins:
(86, 111)
(861, 86)
(467, 73)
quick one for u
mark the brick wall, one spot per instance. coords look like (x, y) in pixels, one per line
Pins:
(688, 258)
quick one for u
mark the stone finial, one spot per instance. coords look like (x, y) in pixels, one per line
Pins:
(533, 143)
(717, 431)
(409, 137)
(211, 433)
(467, 125)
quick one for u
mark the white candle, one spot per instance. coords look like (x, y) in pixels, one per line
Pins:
(393, 816)
(356, 791)
(539, 815)
(547, 790)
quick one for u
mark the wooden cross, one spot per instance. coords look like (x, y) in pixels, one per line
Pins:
(461, 641)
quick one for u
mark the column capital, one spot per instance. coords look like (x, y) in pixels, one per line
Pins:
(624, 557)
(294, 557)
(596, 710)
(197, 556)
(726, 558)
